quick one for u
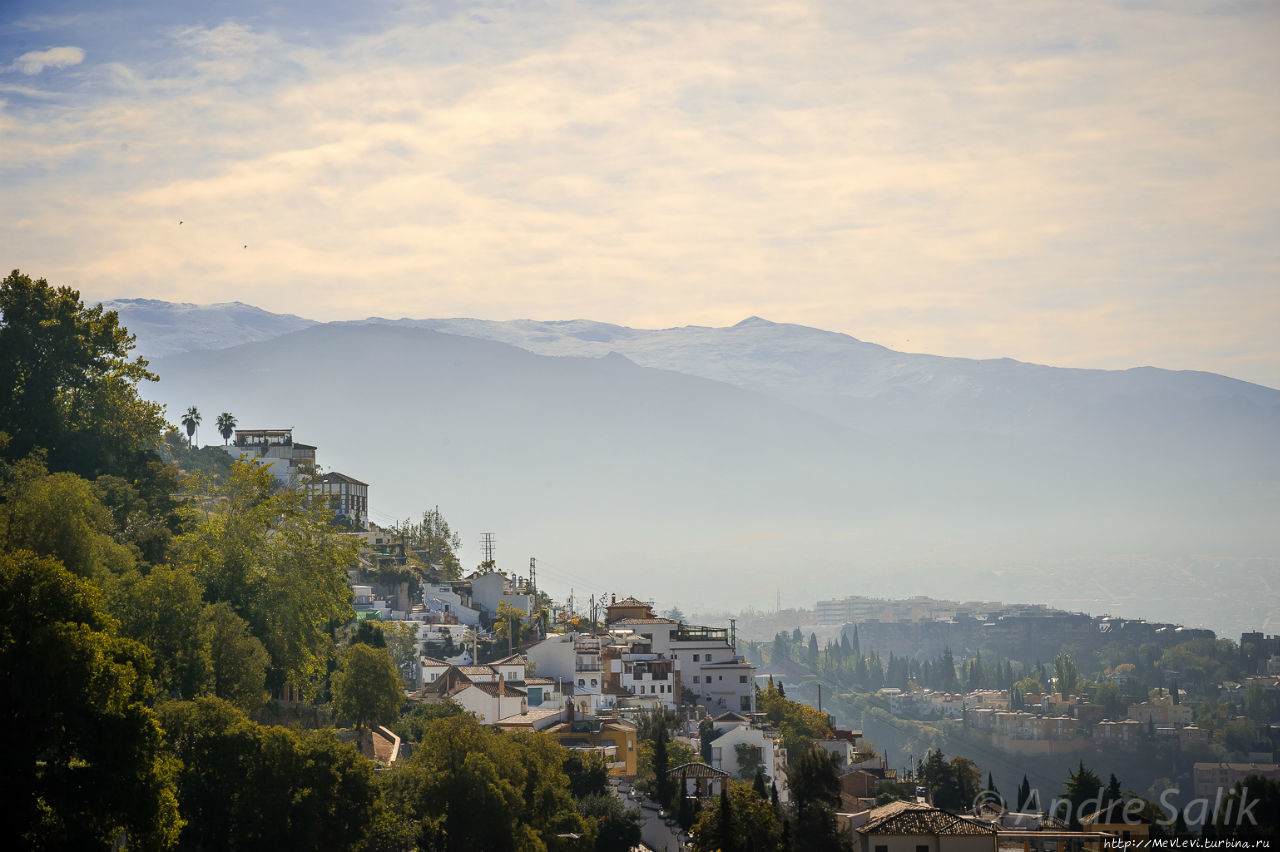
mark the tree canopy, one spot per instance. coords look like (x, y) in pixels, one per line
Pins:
(366, 686)
(80, 749)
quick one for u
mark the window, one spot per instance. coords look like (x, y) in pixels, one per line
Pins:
(695, 678)
(593, 682)
(695, 658)
(719, 677)
(922, 847)
(581, 682)
(880, 848)
(745, 703)
(742, 678)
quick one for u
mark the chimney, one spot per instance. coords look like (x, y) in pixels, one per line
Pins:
(502, 686)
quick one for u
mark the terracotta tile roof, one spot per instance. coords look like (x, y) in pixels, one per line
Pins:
(918, 819)
(643, 621)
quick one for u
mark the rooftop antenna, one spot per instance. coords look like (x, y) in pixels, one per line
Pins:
(533, 574)
(486, 547)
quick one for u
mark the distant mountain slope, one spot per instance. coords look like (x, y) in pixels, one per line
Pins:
(859, 384)
(617, 474)
(872, 388)
(170, 328)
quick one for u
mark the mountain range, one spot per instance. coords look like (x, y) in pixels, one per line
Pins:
(728, 466)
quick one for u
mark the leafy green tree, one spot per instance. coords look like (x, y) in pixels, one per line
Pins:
(968, 780)
(588, 775)
(815, 794)
(237, 660)
(663, 788)
(80, 750)
(402, 644)
(706, 733)
(510, 618)
(439, 544)
(938, 776)
(617, 826)
(752, 822)
(60, 516)
(69, 385)
(275, 557)
(1250, 811)
(414, 722)
(190, 420)
(470, 788)
(162, 610)
(366, 686)
(1256, 705)
(226, 424)
(1108, 695)
(799, 724)
(1066, 674)
(245, 786)
(369, 632)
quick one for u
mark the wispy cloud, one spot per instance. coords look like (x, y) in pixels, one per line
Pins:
(1078, 184)
(35, 61)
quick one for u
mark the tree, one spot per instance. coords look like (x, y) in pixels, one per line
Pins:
(1023, 801)
(1256, 705)
(238, 661)
(968, 781)
(68, 384)
(246, 786)
(473, 788)
(438, 543)
(366, 686)
(162, 610)
(618, 827)
(811, 657)
(280, 563)
(815, 792)
(1082, 786)
(1108, 695)
(510, 618)
(1066, 674)
(1113, 793)
(663, 788)
(706, 733)
(190, 420)
(752, 822)
(226, 424)
(60, 516)
(588, 775)
(402, 643)
(80, 749)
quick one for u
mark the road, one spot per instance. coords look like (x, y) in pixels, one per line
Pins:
(655, 833)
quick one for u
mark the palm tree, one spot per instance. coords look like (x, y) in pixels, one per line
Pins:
(226, 425)
(191, 420)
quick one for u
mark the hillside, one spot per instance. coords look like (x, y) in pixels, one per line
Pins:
(607, 471)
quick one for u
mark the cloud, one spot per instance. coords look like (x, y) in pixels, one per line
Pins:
(35, 61)
(1106, 205)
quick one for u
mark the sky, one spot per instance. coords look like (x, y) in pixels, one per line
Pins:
(1085, 183)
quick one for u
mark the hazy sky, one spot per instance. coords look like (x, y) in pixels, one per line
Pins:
(1076, 183)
